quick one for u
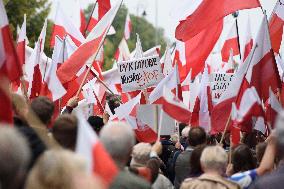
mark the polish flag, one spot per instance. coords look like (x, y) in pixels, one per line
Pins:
(203, 43)
(167, 62)
(88, 145)
(94, 19)
(235, 130)
(276, 25)
(128, 27)
(215, 10)
(122, 53)
(35, 68)
(248, 40)
(273, 109)
(171, 81)
(263, 73)
(21, 43)
(9, 62)
(185, 85)
(143, 132)
(83, 23)
(52, 86)
(174, 107)
(231, 43)
(229, 67)
(88, 49)
(63, 26)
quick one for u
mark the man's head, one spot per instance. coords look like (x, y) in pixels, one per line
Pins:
(242, 159)
(214, 158)
(65, 131)
(15, 157)
(96, 123)
(43, 108)
(196, 136)
(118, 139)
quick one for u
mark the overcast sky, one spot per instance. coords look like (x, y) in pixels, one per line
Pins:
(165, 9)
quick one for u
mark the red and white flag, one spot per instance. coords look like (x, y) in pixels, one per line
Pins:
(167, 62)
(35, 68)
(52, 87)
(21, 43)
(122, 53)
(231, 43)
(273, 109)
(215, 10)
(63, 26)
(171, 81)
(175, 107)
(128, 27)
(10, 66)
(247, 45)
(88, 145)
(83, 23)
(88, 49)
(276, 25)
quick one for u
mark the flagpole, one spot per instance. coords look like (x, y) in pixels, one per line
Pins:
(158, 122)
(90, 67)
(93, 10)
(235, 15)
(63, 59)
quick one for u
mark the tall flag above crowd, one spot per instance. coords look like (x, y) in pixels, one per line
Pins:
(215, 75)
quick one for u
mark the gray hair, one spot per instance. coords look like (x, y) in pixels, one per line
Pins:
(15, 157)
(214, 158)
(279, 133)
(118, 139)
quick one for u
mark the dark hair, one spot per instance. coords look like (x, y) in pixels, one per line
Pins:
(242, 159)
(113, 103)
(194, 161)
(96, 122)
(65, 131)
(196, 136)
(43, 108)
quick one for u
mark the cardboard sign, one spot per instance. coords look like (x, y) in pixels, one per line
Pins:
(140, 74)
(219, 82)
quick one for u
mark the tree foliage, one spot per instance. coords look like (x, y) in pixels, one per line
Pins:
(36, 11)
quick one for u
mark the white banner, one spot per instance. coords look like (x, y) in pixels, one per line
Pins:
(219, 82)
(140, 73)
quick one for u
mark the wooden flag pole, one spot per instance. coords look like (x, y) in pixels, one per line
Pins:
(226, 128)
(89, 21)
(158, 122)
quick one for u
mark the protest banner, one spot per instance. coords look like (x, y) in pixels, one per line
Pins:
(219, 82)
(140, 73)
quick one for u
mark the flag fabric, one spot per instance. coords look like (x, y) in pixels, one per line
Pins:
(35, 68)
(273, 109)
(83, 23)
(235, 130)
(128, 27)
(231, 43)
(52, 87)
(122, 53)
(215, 10)
(88, 145)
(104, 6)
(174, 107)
(10, 66)
(167, 62)
(203, 43)
(247, 41)
(88, 49)
(63, 26)
(21, 43)
(276, 25)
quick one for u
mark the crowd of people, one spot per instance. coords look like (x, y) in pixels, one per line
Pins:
(38, 153)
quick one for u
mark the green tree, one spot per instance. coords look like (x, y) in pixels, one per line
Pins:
(139, 25)
(36, 11)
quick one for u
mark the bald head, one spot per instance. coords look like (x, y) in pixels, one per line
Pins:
(118, 139)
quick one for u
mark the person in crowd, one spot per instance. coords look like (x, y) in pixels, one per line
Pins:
(140, 157)
(213, 162)
(118, 139)
(65, 131)
(60, 169)
(96, 123)
(71, 104)
(194, 162)
(43, 109)
(21, 109)
(14, 158)
(196, 137)
(274, 179)
(243, 163)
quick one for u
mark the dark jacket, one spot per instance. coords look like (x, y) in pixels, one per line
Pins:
(127, 180)
(274, 180)
(182, 167)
